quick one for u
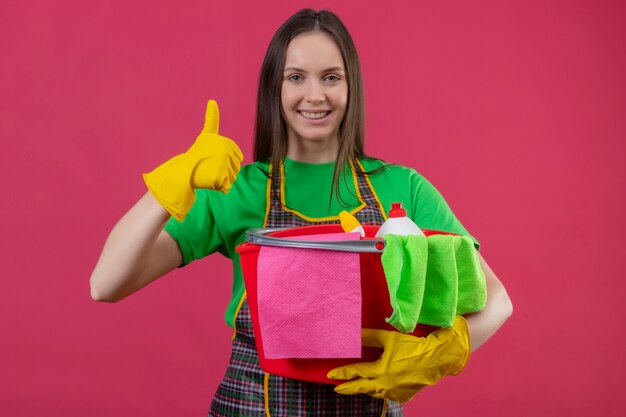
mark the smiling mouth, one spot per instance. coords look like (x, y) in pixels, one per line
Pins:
(314, 115)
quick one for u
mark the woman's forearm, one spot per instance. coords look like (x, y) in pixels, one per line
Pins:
(130, 247)
(483, 324)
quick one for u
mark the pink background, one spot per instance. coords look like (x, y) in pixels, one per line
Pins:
(514, 110)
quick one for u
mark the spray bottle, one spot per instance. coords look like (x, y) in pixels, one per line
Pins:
(398, 223)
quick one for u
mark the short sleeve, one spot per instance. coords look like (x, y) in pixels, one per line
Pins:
(431, 211)
(197, 235)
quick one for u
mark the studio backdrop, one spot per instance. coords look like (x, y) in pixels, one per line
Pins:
(513, 110)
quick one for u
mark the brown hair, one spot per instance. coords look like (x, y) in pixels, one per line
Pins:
(270, 131)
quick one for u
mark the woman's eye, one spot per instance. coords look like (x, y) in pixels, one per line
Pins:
(295, 77)
(332, 78)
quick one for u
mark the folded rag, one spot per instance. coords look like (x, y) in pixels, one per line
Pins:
(472, 285)
(405, 270)
(309, 300)
(432, 279)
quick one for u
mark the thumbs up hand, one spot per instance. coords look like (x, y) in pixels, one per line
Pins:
(212, 162)
(218, 158)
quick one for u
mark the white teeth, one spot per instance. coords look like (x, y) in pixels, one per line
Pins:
(309, 115)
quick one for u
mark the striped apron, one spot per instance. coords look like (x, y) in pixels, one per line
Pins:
(246, 390)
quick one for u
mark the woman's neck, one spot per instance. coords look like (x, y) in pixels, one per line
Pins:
(312, 152)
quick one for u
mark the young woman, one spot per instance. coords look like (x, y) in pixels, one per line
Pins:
(308, 145)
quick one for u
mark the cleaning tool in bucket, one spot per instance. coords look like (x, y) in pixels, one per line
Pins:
(398, 223)
(430, 279)
(309, 300)
(349, 223)
(404, 263)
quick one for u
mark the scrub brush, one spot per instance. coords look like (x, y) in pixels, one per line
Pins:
(349, 223)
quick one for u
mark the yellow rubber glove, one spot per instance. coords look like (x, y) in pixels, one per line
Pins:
(407, 364)
(212, 162)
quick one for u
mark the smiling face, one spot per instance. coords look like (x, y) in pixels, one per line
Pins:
(314, 95)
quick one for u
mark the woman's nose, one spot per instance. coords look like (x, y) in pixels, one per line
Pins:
(314, 93)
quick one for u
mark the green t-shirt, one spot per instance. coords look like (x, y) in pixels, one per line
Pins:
(217, 222)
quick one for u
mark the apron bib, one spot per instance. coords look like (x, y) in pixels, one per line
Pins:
(246, 389)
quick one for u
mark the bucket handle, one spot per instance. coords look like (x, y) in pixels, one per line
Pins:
(259, 237)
